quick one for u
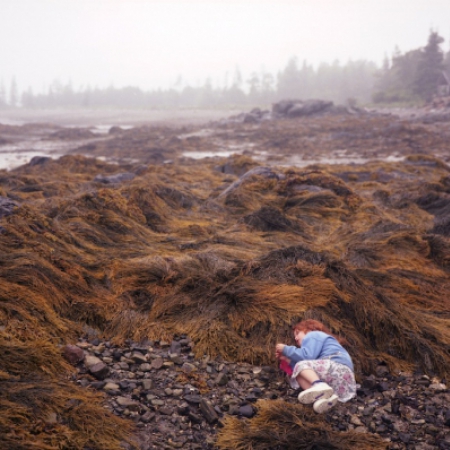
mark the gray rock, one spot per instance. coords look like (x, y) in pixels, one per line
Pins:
(308, 108)
(138, 357)
(99, 370)
(148, 417)
(39, 160)
(176, 359)
(299, 108)
(222, 379)
(91, 360)
(246, 411)
(382, 370)
(438, 387)
(115, 130)
(400, 427)
(262, 171)
(177, 392)
(194, 418)
(126, 402)
(194, 399)
(183, 409)
(166, 410)
(157, 363)
(146, 367)
(447, 418)
(73, 354)
(175, 347)
(147, 384)
(97, 385)
(404, 437)
(355, 420)
(208, 411)
(116, 178)
(188, 367)
(7, 206)
(110, 386)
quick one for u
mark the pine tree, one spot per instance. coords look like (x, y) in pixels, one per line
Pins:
(2, 95)
(28, 98)
(447, 63)
(13, 93)
(254, 84)
(430, 67)
(289, 83)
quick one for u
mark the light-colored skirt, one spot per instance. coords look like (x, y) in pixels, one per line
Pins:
(339, 376)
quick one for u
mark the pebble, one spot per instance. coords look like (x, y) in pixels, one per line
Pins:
(178, 401)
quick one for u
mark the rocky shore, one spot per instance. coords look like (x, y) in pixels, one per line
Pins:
(226, 253)
(179, 401)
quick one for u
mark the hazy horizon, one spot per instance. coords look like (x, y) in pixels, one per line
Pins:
(151, 44)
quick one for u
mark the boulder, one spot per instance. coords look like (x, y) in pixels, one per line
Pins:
(298, 108)
(99, 370)
(39, 160)
(262, 171)
(73, 354)
(116, 178)
(6, 206)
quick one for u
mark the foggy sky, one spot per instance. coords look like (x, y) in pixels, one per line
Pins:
(150, 43)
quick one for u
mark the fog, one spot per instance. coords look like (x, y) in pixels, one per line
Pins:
(169, 43)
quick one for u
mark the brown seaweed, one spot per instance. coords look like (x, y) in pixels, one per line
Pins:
(282, 426)
(173, 250)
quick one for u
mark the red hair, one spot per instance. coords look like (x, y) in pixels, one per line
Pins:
(314, 325)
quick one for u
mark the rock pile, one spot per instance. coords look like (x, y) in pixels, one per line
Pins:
(311, 107)
(298, 108)
(179, 401)
(256, 115)
(290, 108)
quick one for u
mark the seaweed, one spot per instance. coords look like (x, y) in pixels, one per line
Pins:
(188, 249)
(283, 426)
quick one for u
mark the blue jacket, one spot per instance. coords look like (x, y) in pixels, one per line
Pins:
(318, 345)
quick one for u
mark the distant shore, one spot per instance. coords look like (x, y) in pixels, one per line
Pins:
(112, 116)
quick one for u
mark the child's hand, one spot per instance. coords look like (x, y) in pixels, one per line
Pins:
(279, 350)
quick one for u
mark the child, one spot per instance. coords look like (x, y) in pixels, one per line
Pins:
(320, 366)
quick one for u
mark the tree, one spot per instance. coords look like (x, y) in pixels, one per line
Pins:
(267, 87)
(237, 78)
(13, 93)
(28, 98)
(86, 101)
(289, 82)
(2, 95)
(413, 75)
(447, 63)
(254, 84)
(430, 67)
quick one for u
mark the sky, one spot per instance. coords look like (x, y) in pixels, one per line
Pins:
(152, 43)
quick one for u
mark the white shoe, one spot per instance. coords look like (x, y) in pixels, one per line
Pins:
(316, 392)
(325, 404)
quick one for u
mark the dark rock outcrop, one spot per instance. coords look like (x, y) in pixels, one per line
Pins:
(116, 178)
(298, 108)
(6, 206)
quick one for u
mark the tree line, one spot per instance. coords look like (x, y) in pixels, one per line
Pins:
(417, 75)
(414, 76)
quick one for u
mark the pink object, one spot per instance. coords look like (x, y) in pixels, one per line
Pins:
(285, 367)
